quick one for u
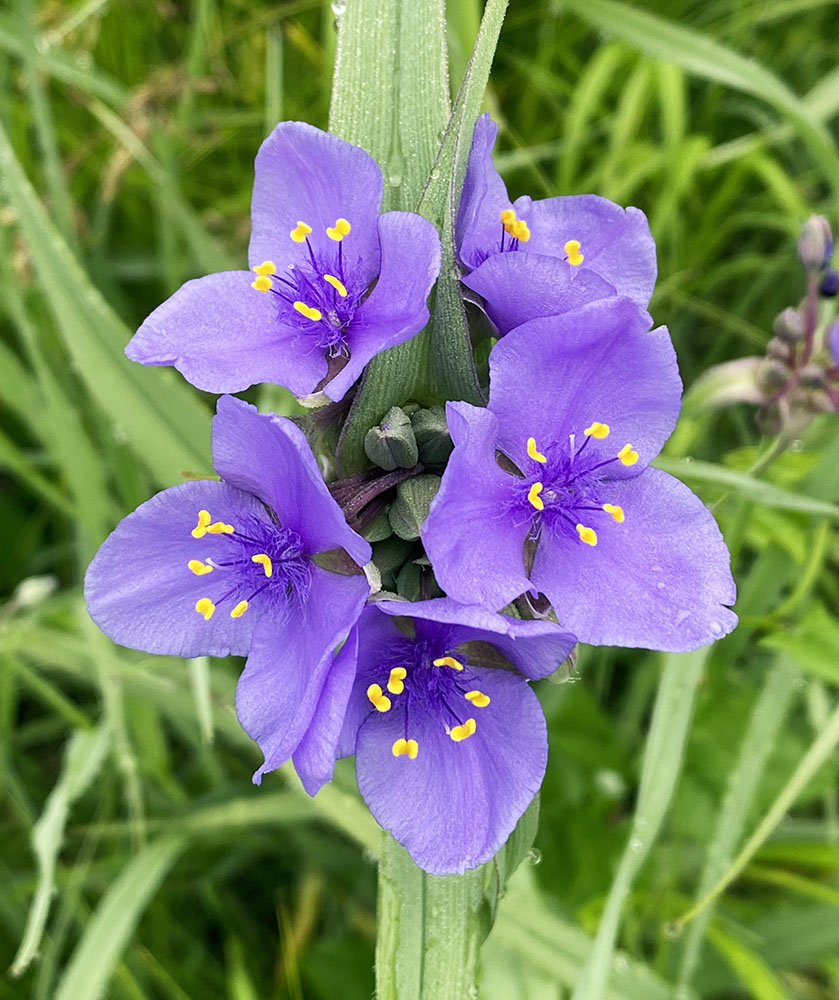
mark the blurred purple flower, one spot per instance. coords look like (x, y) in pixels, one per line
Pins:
(580, 404)
(210, 568)
(333, 282)
(449, 750)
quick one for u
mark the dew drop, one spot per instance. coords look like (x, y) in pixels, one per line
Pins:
(716, 628)
(472, 992)
(657, 569)
(339, 7)
(682, 616)
(636, 845)
(620, 963)
(796, 445)
(672, 930)
(661, 585)
(534, 856)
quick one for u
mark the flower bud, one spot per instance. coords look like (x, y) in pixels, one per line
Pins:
(772, 375)
(392, 444)
(815, 246)
(410, 508)
(432, 434)
(778, 349)
(789, 326)
(812, 376)
(829, 287)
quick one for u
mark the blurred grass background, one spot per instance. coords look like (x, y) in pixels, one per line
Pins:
(138, 862)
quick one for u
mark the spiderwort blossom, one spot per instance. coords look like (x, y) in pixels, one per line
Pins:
(449, 750)
(579, 405)
(211, 568)
(587, 239)
(332, 281)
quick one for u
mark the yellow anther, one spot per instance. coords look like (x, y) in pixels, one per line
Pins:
(266, 267)
(220, 528)
(521, 231)
(205, 607)
(478, 698)
(339, 286)
(405, 748)
(587, 535)
(508, 216)
(300, 232)
(597, 430)
(448, 661)
(572, 249)
(265, 561)
(615, 511)
(200, 529)
(532, 451)
(534, 498)
(239, 610)
(460, 733)
(199, 568)
(378, 698)
(308, 311)
(628, 455)
(339, 230)
(395, 682)
(262, 283)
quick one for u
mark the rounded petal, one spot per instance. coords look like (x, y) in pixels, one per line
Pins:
(269, 456)
(553, 377)
(395, 309)
(282, 682)
(455, 804)
(615, 242)
(305, 175)
(517, 287)
(140, 590)
(478, 228)
(223, 336)
(475, 548)
(659, 580)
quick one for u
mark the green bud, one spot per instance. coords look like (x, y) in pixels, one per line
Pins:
(789, 326)
(432, 434)
(772, 375)
(378, 529)
(392, 444)
(409, 582)
(410, 508)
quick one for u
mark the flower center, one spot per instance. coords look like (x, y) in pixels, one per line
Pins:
(318, 295)
(255, 559)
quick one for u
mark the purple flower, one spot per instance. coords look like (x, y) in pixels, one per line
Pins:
(586, 247)
(210, 568)
(579, 405)
(449, 748)
(333, 282)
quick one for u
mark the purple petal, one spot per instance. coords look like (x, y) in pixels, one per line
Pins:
(139, 589)
(314, 758)
(282, 681)
(833, 339)
(478, 228)
(269, 456)
(659, 580)
(615, 242)
(476, 550)
(223, 336)
(455, 804)
(553, 377)
(396, 308)
(518, 287)
(306, 175)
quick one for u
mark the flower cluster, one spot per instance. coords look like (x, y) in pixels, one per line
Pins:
(501, 535)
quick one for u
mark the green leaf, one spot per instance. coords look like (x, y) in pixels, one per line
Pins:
(812, 644)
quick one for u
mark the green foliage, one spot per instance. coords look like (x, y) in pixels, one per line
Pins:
(138, 860)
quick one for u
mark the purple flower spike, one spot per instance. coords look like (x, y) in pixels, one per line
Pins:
(581, 234)
(211, 568)
(628, 556)
(304, 316)
(449, 750)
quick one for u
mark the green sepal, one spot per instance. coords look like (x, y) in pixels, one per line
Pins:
(410, 508)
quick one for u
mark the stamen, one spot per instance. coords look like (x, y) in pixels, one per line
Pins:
(378, 699)
(478, 698)
(587, 535)
(534, 498)
(407, 748)
(521, 231)
(239, 610)
(266, 267)
(628, 455)
(572, 248)
(448, 661)
(220, 528)
(339, 230)
(615, 511)
(308, 311)
(537, 456)
(462, 732)
(508, 217)
(205, 607)
(395, 682)
(262, 283)
(199, 568)
(300, 232)
(265, 561)
(597, 430)
(338, 285)
(200, 529)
